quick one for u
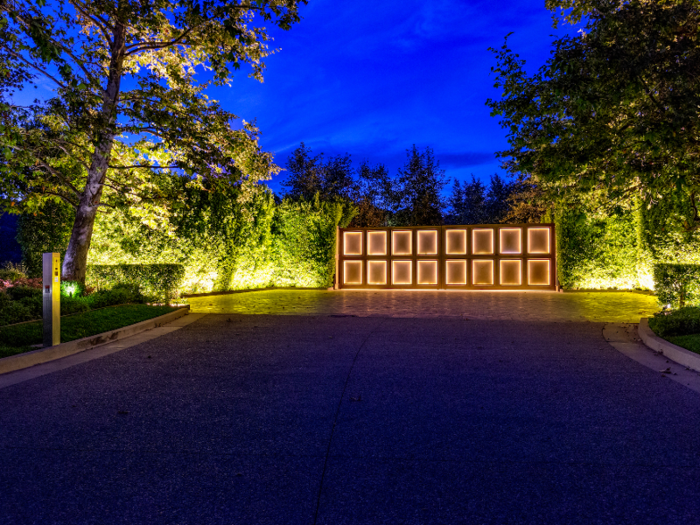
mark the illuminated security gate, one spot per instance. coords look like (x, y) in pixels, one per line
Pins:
(491, 257)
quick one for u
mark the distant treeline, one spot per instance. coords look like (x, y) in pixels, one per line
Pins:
(413, 196)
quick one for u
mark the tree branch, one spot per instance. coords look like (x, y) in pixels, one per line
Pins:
(151, 166)
(59, 176)
(62, 197)
(103, 25)
(159, 45)
(32, 65)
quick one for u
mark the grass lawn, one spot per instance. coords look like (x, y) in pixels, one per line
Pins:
(691, 342)
(19, 338)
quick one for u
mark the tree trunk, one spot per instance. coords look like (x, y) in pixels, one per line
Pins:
(75, 262)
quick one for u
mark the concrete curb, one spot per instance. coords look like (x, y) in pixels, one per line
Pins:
(673, 352)
(44, 355)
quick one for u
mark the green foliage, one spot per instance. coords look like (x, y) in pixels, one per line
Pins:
(412, 198)
(118, 295)
(472, 203)
(684, 321)
(17, 293)
(689, 342)
(16, 339)
(130, 102)
(22, 303)
(677, 284)
(12, 272)
(72, 289)
(224, 244)
(418, 198)
(16, 311)
(161, 281)
(614, 114)
(45, 230)
(310, 175)
(598, 252)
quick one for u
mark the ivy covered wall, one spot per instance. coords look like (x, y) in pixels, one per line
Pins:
(225, 245)
(596, 251)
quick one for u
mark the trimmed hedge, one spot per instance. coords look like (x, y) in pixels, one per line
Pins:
(161, 281)
(677, 284)
(685, 321)
(227, 245)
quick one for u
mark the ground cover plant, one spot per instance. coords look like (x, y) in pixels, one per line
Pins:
(19, 338)
(689, 342)
(681, 327)
(21, 297)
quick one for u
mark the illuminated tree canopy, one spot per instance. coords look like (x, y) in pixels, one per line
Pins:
(614, 115)
(130, 106)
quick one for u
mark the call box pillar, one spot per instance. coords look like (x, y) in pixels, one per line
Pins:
(52, 299)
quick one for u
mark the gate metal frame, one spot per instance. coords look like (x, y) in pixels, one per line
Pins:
(442, 258)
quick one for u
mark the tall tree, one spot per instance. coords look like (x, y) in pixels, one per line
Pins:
(468, 203)
(614, 115)
(375, 193)
(310, 175)
(305, 177)
(497, 204)
(418, 200)
(130, 97)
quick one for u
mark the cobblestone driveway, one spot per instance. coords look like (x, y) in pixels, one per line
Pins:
(612, 307)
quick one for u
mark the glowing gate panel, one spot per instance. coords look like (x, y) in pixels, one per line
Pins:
(538, 272)
(352, 243)
(401, 272)
(401, 242)
(352, 272)
(376, 272)
(428, 242)
(482, 241)
(427, 272)
(511, 272)
(456, 273)
(482, 273)
(510, 240)
(456, 242)
(538, 240)
(376, 243)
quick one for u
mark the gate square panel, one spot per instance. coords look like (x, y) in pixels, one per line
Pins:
(483, 256)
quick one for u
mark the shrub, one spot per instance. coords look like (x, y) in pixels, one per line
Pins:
(161, 281)
(677, 284)
(13, 311)
(17, 293)
(684, 321)
(117, 295)
(12, 272)
(46, 230)
(74, 305)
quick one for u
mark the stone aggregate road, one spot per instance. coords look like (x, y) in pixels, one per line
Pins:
(620, 307)
(333, 419)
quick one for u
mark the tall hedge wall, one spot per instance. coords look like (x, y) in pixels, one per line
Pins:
(597, 251)
(225, 245)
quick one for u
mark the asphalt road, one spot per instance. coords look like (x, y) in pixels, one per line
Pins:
(239, 419)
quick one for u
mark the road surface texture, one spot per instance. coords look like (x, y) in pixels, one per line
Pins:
(334, 419)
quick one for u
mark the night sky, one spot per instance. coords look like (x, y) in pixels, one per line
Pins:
(371, 78)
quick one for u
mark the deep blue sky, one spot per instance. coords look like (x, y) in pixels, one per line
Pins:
(371, 78)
